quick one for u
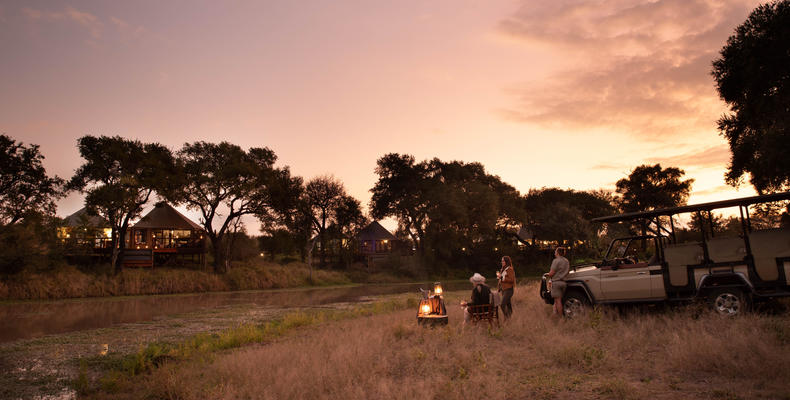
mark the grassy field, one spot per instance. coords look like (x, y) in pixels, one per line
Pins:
(381, 354)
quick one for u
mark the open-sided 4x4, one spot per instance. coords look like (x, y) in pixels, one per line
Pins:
(729, 272)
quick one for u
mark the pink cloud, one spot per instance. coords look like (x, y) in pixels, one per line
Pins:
(82, 18)
(711, 157)
(714, 190)
(646, 68)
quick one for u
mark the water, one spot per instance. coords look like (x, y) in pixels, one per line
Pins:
(38, 318)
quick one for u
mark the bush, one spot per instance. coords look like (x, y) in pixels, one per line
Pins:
(29, 244)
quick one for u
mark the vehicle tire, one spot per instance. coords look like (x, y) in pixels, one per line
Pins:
(575, 304)
(728, 301)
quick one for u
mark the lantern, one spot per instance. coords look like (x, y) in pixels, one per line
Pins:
(431, 310)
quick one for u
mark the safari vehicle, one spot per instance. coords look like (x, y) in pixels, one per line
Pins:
(729, 272)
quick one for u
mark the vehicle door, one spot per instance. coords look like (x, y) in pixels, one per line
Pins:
(625, 276)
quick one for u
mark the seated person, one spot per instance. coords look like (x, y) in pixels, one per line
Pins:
(481, 295)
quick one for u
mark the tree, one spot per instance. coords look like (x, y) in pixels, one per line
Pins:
(118, 177)
(24, 184)
(328, 204)
(566, 215)
(652, 187)
(753, 78)
(455, 213)
(349, 221)
(223, 180)
(400, 192)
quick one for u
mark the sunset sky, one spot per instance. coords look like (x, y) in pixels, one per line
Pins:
(572, 94)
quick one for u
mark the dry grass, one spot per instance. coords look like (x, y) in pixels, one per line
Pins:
(69, 282)
(606, 355)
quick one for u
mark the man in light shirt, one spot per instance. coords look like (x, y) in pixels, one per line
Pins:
(559, 270)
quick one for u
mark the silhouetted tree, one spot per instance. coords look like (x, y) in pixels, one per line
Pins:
(328, 204)
(223, 182)
(652, 187)
(349, 221)
(24, 184)
(447, 208)
(118, 177)
(401, 192)
(753, 78)
(557, 214)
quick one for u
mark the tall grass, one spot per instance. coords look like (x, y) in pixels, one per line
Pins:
(150, 357)
(70, 282)
(606, 355)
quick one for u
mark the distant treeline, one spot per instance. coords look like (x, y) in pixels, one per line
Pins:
(454, 215)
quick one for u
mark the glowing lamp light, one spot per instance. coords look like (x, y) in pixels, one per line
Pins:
(426, 308)
(437, 288)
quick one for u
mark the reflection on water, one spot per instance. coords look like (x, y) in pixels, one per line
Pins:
(34, 319)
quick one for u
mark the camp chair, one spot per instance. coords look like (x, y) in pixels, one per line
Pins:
(484, 312)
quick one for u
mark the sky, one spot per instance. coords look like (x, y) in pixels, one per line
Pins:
(568, 93)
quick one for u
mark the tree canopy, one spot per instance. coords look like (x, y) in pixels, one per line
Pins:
(753, 77)
(650, 187)
(25, 186)
(446, 207)
(223, 180)
(401, 192)
(328, 205)
(118, 177)
(559, 215)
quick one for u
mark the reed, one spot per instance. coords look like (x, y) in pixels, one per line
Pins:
(672, 353)
(69, 282)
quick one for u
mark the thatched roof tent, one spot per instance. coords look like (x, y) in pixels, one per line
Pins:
(164, 216)
(83, 218)
(374, 231)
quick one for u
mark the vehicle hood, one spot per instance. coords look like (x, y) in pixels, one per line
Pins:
(583, 270)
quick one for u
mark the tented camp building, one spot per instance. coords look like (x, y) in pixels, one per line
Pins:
(375, 239)
(169, 235)
(83, 230)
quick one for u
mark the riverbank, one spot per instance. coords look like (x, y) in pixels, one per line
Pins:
(70, 282)
(52, 366)
(663, 354)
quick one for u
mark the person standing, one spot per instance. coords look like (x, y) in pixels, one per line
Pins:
(507, 283)
(559, 270)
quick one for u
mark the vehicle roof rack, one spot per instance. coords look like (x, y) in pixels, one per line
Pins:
(744, 202)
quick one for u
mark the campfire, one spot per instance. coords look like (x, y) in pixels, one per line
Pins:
(431, 310)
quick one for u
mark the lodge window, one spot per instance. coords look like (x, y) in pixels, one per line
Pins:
(167, 238)
(139, 237)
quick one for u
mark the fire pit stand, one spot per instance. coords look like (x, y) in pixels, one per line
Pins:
(431, 311)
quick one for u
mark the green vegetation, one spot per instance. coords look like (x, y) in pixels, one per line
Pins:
(118, 178)
(70, 282)
(611, 354)
(751, 77)
(116, 371)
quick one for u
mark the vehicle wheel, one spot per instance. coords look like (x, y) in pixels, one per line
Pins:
(728, 302)
(574, 304)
